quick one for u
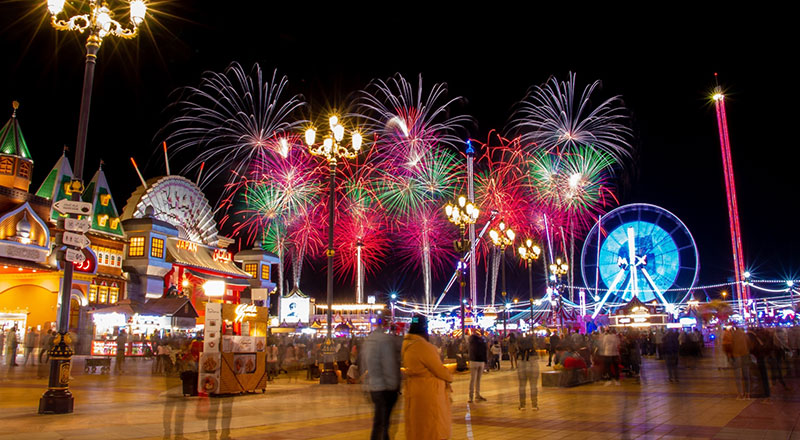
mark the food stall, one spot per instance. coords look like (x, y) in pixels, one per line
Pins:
(639, 315)
(234, 349)
(142, 322)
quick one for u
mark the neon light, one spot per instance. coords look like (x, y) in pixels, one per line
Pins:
(187, 245)
(220, 255)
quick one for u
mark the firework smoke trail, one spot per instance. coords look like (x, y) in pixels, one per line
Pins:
(361, 232)
(424, 241)
(502, 186)
(553, 115)
(417, 138)
(229, 119)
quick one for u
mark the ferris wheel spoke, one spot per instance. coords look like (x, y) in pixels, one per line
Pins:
(634, 284)
(611, 289)
(654, 287)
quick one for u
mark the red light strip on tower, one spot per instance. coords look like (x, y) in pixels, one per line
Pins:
(742, 290)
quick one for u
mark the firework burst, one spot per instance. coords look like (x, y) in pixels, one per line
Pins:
(410, 121)
(553, 115)
(574, 182)
(230, 119)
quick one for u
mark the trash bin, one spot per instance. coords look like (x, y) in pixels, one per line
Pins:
(189, 379)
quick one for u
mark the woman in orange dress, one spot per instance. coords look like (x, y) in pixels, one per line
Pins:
(427, 389)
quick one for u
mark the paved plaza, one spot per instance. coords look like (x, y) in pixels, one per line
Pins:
(140, 405)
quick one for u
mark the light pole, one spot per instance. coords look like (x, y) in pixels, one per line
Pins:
(558, 269)
(462, 214)
(98, 23)
(503, 237)
(332, 150)
(530, 251)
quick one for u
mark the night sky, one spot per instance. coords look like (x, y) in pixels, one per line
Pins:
(661, 62)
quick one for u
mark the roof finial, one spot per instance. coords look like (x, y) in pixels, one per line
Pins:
(101, 163)
(15, 106)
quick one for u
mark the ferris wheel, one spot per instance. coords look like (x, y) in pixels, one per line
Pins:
(639, 251)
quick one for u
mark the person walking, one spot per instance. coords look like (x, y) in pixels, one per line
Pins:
(551, 350)
(11, 347)
(477, 362)
(427, 390)
(740, 350)
(31, 338)
(513, 349)
(528, 371)
(381, 359)
(609, 353)
(670, 348)
(122, 340)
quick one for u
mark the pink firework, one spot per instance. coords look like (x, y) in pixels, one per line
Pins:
(366, 231)
(426, 228)
(502, 185)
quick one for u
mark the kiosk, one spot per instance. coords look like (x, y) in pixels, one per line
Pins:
(234, 349)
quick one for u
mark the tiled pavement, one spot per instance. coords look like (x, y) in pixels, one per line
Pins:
(139, 405)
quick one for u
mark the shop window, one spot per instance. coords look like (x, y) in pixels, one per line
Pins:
(265, 272)
(113, 294)
(251, 268)
(157, 248)
(93, 293)
(102, 294)
(105, 259)
(136, 247)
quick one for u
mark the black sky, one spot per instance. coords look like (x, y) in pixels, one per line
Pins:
(661, 61)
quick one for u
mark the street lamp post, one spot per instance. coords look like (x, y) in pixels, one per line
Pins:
(558, 269)
(462, 214)
(98, 23)
(503, 237)
(529, 251)
(332, 150)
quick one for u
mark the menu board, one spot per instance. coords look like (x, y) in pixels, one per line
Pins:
(210, 360)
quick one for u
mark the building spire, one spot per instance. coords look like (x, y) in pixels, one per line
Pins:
(15, 106)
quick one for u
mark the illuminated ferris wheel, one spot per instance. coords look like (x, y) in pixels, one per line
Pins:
(639, 251)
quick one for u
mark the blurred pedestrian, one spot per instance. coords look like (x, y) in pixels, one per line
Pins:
(427, 393)
(512, 350)
(554, 341)
(382, 376)
(609, 354)
(740, 350)
(11, 347)
(31, 339)
(122, 340)
(528, 372)
(670, 348)
(477, 361)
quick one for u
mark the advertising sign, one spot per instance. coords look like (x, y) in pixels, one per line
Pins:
(295, 309)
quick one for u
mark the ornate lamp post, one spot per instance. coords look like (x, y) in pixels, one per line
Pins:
(97, 21)
(530, 251)
(503, 237)
(332, 150)
(461, 214)
(558, 269)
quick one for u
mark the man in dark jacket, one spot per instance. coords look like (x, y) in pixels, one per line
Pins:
(477, 360)
(669, 348)
(554, 342)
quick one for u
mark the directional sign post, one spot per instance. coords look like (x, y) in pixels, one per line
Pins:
(73, 207)
(75, 240)
(74, 256)
(75, 225)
